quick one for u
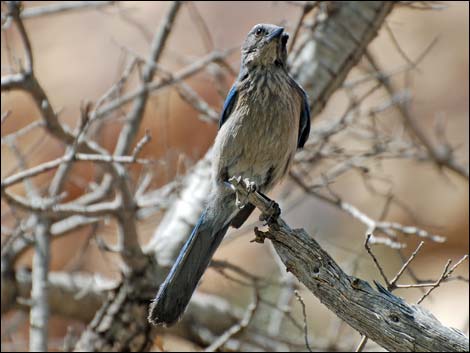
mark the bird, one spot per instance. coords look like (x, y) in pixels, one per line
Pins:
(265, 118)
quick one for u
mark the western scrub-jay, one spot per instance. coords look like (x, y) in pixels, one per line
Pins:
(265, 118)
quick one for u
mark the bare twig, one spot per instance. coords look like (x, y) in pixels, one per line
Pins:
(423, 5)
(138, 147)
(50, 208)
(304, 314)
(398, 46)
(307, 7)
(135, 115)
(128, 237)
(446, 273)
(191, 97)
(39, 312)
(47, 166)
(237, 328)
(54, 9)
(153, 87)
(442, 155)
(23, 131)
(388, 228)
(224, 265)
(362, 344)
(5, 116)
(377, 263)
(201, 25)
(14, 9)
(393, 282)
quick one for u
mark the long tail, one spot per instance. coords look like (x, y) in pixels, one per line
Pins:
(176, 291)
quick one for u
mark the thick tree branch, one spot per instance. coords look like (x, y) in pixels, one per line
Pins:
(377, 314)
(336, 44)
(80, 295)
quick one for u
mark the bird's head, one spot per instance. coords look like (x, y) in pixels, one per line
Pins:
(265, 45)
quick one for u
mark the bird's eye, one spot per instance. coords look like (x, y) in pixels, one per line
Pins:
(259, 31)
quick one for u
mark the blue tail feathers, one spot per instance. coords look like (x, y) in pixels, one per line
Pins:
(174, 294)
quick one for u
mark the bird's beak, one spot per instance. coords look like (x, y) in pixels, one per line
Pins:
(276, 34)
(284, 39)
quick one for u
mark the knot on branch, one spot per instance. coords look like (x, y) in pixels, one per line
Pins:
(259, 236)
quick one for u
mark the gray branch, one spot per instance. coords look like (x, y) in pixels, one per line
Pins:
(80, 295)
(39, 313)
(54, 9)
(378, 314)
(121, 324)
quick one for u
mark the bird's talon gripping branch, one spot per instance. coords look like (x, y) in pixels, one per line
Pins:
(240, 199)
(240, 203)
(276, 210)
(250, 185)
(272, 213)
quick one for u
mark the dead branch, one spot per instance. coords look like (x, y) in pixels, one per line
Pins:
(377, 314)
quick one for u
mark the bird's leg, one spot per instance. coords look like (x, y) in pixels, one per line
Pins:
(250, 185)
(272, 213)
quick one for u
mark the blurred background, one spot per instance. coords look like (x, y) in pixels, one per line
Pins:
(80, 54)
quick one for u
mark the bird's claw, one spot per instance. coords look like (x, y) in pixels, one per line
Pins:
(250, 186)
(272, 213)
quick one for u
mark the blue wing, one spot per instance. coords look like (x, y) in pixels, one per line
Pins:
(304, 126)
(228, 105)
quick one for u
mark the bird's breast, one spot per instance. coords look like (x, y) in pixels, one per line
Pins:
(259, 139)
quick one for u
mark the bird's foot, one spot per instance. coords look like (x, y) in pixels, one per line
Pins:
(272, 213)
(242, 193)
(250, 186)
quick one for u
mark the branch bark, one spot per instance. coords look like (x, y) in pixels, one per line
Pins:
(80, 295)
(378, 314)
(121, 325)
